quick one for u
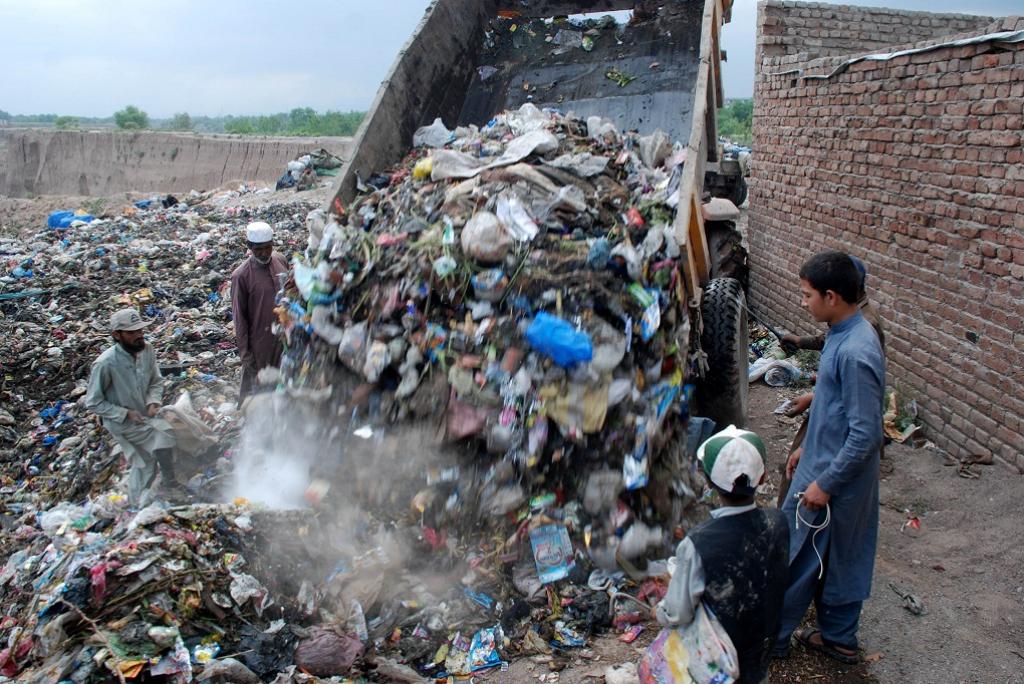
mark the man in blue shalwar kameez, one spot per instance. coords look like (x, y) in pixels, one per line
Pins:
(835, 474)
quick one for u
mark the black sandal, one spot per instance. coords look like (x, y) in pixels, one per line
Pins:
(826, 647)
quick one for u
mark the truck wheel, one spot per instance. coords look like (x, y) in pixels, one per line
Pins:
(722, 394)
(728, 255)
(739, 192)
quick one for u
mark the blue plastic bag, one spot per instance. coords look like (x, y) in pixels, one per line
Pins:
(53, 221)
(60, 220)
(483, 650)
(558, 340)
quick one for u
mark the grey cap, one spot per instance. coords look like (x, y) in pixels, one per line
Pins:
(127, 319)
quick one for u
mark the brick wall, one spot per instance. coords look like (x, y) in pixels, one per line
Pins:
(915, 165)
(818, 29)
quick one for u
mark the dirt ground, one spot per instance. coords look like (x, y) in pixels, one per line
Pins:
(965, 564)
(24, 216)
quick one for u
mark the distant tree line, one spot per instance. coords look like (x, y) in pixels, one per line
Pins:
(735, 121)
(301, 121)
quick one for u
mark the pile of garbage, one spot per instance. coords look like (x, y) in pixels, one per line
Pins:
(304, 172)
(95, 592)
(57, 290)
(482, 409)
(771, 362)
(512, 295)
(530, 265)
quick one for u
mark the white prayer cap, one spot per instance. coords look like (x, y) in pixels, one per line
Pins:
(259, 233)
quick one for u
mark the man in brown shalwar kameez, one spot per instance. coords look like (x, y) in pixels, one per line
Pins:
(254, 288)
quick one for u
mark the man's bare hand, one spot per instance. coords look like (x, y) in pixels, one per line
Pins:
(815, 497)
(790, 343)
(134, 417)
(800, 404)
(152, 410)
(791, 463)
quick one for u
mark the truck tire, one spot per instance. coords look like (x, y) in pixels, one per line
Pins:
(722, 394)
(728, 255)
(738, 195)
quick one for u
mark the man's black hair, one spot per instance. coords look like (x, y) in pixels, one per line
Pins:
(833, 271)
(742, 493)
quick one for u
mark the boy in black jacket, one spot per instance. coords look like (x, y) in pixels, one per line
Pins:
(736, 562)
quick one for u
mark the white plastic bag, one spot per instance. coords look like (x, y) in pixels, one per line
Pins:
(600, 129)
(527, 118)
(452, 164)
(776, 372)
(655, 148)
(534, 142)
(515, 218)
(305, 278)
(324, 328)
(316, 222)
(434, 135)
(484, 238)
(191, 434)
(584, 164)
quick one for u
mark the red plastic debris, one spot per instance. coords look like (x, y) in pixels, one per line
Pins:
(634, 218)
(434, 538)
(630, 635)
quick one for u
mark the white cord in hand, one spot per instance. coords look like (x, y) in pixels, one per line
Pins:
(799, 496)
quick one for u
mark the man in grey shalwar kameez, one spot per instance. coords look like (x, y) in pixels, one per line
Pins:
(126, 392)
(835, 474)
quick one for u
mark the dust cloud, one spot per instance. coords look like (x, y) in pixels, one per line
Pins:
(295, 453)
(351, 514)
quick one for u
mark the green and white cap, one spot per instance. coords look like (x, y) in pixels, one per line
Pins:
(730, 453)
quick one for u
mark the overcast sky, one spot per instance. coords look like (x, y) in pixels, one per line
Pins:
(92, 57)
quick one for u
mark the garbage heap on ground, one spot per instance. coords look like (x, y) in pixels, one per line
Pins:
(57, 290)
(93, 592)
(770, 362)
(488, 368)
(89, 590)
(496, 336)
(302, 173)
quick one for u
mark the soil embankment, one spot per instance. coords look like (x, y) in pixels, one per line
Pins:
(48, 162)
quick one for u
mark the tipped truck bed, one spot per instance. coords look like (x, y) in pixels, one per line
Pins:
(436, 75)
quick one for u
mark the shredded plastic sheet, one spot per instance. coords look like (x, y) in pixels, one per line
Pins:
(453, 164)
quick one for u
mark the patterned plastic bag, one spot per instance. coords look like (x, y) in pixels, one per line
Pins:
(700, 653)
